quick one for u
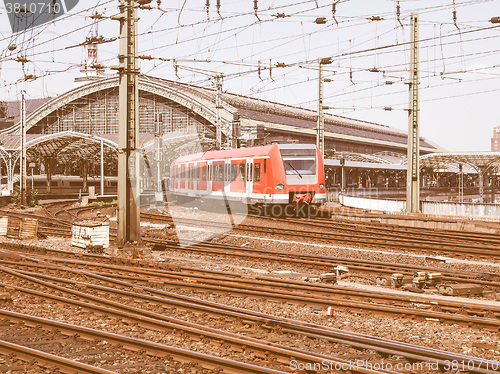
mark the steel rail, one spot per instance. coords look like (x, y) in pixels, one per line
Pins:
(328, 262)
(322, 293)
(355, 228)
(313, 261)
(337, 303)
(155, 321)
(369, 240)
(152, 348)
(48, 360)
(358, 340)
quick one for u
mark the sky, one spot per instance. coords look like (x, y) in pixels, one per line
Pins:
(272, 54)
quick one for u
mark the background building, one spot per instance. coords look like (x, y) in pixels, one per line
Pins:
(495, 140)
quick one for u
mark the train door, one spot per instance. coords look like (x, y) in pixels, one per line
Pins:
(249, 177)
(202, 177)
(238, 182)
(190, 176)
(174, 178)
(227, 177)
(182, 184)
(260, 175)
(218, 176)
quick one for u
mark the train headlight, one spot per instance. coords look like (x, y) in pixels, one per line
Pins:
(321, 186)
(280, 186)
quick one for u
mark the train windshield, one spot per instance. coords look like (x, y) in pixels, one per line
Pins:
(299, 161)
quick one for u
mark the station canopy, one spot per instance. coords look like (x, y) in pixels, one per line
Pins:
(68, 146)
(479, 161)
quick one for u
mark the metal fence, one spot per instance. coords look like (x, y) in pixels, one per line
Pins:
(426, 207)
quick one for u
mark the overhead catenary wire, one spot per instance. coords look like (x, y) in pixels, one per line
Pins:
(247, 63)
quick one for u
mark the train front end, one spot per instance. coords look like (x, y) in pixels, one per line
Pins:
(303, 178)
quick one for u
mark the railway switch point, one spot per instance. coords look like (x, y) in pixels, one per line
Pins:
(397, 280)
(341, 270)
(460, 289)
(328, 277)
(381, 280)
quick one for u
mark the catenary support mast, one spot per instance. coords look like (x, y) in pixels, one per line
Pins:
(128, 131)
(413, 171)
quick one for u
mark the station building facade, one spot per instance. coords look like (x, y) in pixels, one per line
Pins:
(168, 107)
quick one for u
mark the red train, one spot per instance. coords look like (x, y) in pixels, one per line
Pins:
(262, 177)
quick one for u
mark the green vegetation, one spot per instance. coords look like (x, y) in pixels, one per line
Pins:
(31, 197)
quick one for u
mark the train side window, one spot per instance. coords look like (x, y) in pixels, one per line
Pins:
(215, 169)
(256, 174)
(204, 173)
(228, 172)
(265, 165)
(221, 173)
(234, 172)
(251, 171)
(242, 172)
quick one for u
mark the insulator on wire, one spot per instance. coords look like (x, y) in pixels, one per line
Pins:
(207, 8)
(398, 13)
(218, 7)
(256, 8)
(455, 15)
(334, 10)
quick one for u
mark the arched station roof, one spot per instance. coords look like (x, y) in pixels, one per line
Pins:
(357, 157)
(70, 146)
(253, 115)
(198, 104)
(480, 161)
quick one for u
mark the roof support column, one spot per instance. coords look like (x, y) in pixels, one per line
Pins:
(102, 167)
(85, 174)
(48, 164)
(481, 175)
(10, 175)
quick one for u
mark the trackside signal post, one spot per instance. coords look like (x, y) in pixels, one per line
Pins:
(128, 127)
(413, 171)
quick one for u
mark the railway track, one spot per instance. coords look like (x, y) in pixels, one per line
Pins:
(435, 242)
(151, 295)
(60, 228)
(365, 236)
(308, 261)
(148, 351)
(93, 280)
(268, 288)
